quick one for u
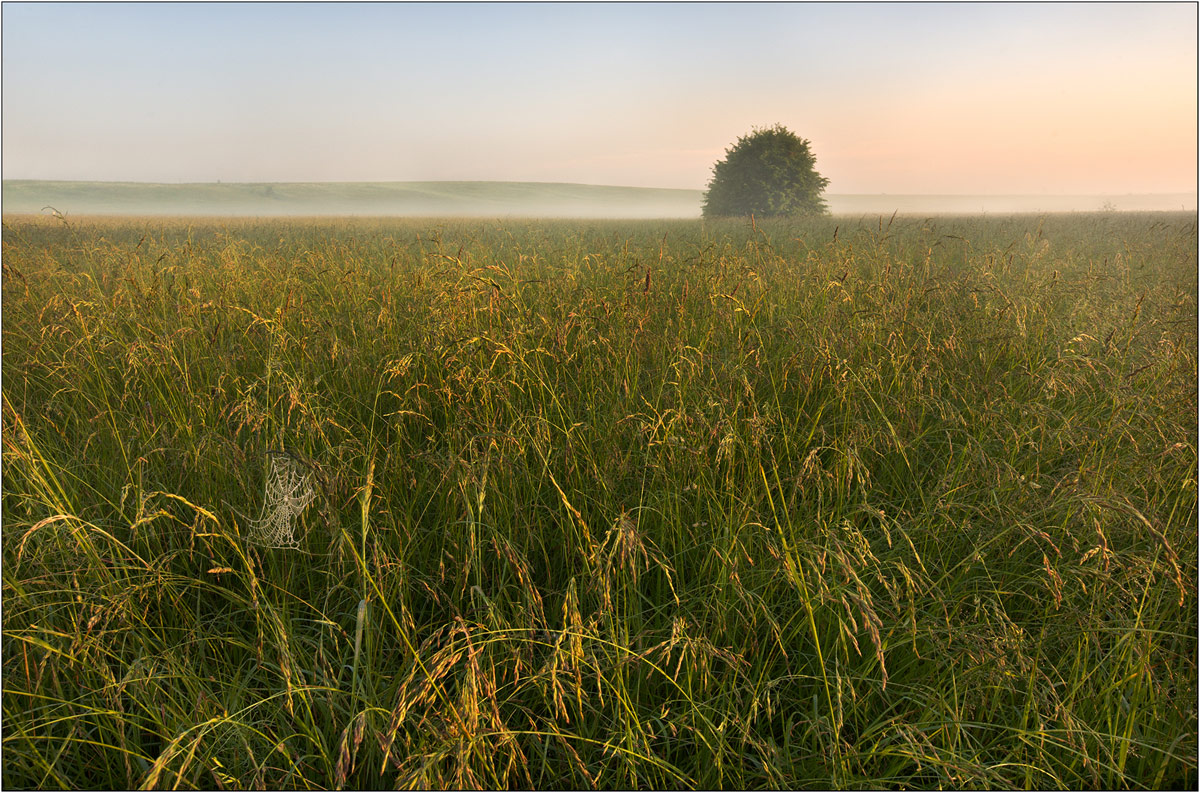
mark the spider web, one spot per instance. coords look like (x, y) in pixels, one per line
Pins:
(288, 492)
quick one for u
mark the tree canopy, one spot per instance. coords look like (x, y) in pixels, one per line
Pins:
(768, 172)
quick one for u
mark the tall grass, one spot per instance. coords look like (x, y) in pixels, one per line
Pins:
(828, 503)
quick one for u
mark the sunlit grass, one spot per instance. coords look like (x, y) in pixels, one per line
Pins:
(597, 504)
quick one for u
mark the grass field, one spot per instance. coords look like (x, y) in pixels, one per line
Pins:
(653, 504)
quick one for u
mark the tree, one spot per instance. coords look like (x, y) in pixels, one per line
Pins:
(768, 172)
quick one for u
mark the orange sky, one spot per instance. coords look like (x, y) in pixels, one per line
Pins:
(895, 98)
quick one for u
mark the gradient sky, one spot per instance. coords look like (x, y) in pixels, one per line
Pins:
(895, 98)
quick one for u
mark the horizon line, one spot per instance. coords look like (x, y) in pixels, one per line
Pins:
(183, 183)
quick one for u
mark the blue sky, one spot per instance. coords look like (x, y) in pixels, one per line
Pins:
(899, 98)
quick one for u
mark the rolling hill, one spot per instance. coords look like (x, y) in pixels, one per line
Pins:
(497, 199)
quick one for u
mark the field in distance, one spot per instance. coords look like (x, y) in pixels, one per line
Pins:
(498, 199)
(373, 503)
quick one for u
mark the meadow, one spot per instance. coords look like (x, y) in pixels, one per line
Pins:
(831, 503)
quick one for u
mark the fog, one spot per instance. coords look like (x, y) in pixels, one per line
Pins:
(500, 199)
(1009, 204)
(399, 199)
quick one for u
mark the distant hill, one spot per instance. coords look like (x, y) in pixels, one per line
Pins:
(498, 199)
(433, 199)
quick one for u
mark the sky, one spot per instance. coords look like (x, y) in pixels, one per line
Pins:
(903, 98)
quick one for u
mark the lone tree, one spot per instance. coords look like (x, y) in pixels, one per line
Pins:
(768, 172)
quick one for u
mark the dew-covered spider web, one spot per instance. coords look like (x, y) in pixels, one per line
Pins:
(288, 492)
